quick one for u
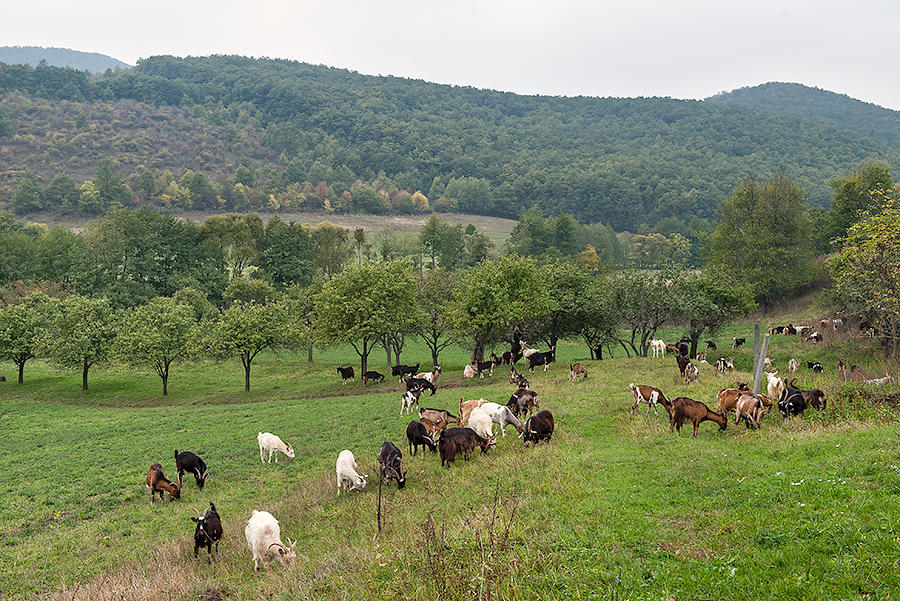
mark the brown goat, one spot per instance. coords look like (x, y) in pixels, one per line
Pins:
(686, 410)
(650, 395)
(158, 483)
(466, 408)
(751, 409)
(727, 397)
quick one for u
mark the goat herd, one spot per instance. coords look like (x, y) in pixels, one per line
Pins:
(474, 429)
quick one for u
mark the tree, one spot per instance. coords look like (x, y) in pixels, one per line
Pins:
(853, 195)
(6, 124)
(598, 316)
(82, 334)
(23, 326)
(114, 192)
(62, 193)
(493, 296)
(241, 238)
(245, 330)
(646, 301)
(89, 198)
(567, 285)
(708, 303)
(866, 271)
(286, 258)
(434, 293)
(246, 290)
(157, 333)
(430, 238)
(331, 248)
(27, 198)
(363, 304)
(764, 239)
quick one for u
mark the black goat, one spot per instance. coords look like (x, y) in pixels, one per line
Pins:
(710, 345)
(544, 359)
(737, 342)
(420, 384)
(208, 531)
(186, 461)
(538, 427)
(390, 463)
(372, 375)
(404, 370)
(347, 373)
(417, 435)
(815, 366)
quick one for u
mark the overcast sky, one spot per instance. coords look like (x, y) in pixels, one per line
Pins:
(678, 48)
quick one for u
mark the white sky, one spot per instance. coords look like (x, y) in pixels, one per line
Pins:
(678, 48)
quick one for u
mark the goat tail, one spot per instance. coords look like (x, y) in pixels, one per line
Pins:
(631, 385)
(176, 454)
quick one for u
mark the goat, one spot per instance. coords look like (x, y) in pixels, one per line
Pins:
(417, 434)
(737, 343)
(688, 410)
(658, 347)
(348, 477)
(191, 462)
(262, 533)
(837, 323)
(684, 347)
(500, 415)
(538, 427)
(793, 365)
(273, 444)
(513, 375)
(208, 531)
(506, 358)
(721, 365)
(466, 407)
(461, 440)
(701, 358)
(390, 464)
(710, 345)
(158, 483)
(430, 376)
(727, 398)
(683, 362)
(523, 401)
(691, 373)
(815, 366)
(544, 359)
(372, 375)
(521, 381)
(526, 351)
(672, 349)
(815, 338)
(576, 371)
(650, 395)
(346, 373)
(767, 362)
(471, 370)
(404, 370)
(750, 409)
(420, 384)
(795, 400)
(774, 385)
(481, 422)
(487, 366)
(437, 416)
(409, 398)
(885, 381)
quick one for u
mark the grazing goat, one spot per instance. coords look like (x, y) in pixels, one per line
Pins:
(417, 435)
(409, 398)
(208, 531)
(815, 338)
(701, 358)
(513, 376)
(506, 358)
(750, 409)
(390, 464)
(466, 407)
(576, 372)
(710, 345)
(885, 381)
(348, 477)
(273, 444)
(737, 343)
(372, 375)
(431, 376)
(538, 427)
(691, 373)
(658, 347)
(686, 410)
(683, 362)
(774, 385)
(470, 371)
(158, 483)
(544, 359)
(263, 534)
(437, 416)
(186, 461)
(420, 384)
(650, 395)
(793, 365)
(461, 440)
(522, 402)
(815, 366)
(795, 400)
(727, 398)
(521, 381)
(721, 365)
(404, 370)
(481, 422)
(500, 415)
(672, 349)
(346, 373)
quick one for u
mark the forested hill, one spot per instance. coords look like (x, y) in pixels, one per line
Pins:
(94, 62)
(805, 102)
(624, 162)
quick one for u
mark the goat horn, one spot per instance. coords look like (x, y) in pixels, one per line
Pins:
(276, 545)
(199, 515)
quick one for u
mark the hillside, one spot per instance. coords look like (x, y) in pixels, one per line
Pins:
(624, 162)
(92, 62)
(797, 100)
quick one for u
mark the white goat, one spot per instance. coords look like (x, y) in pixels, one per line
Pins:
(409, 398)
(888, 379)
(658, 347)
(501, 415)
(526, 350)
(431, 376)
(481, 422)
(470, 371)
(264, 539)
(271, 443)
(793, 365)
(774, 385)
(347, 476)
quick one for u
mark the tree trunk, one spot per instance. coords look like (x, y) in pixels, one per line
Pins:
(21, 368)
(600, 352)
(84, 373)
(245, 359)
(434, 355)
(387, 349)
(165, 379)
(479, 351)
(309, 358)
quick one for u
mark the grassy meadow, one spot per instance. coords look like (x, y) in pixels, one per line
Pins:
(614, 508)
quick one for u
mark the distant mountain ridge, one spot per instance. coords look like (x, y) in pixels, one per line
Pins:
(815, 104)
(94, 62)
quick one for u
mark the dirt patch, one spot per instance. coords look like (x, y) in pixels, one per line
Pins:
(687, 551)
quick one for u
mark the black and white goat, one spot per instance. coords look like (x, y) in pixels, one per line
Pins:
(187, 461)
(208, 531)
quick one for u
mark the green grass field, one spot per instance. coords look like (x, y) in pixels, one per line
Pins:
(614, 508)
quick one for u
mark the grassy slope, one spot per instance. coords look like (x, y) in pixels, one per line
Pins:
(615, 506)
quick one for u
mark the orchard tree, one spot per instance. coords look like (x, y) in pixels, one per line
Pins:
(597, 316)
(853, 195)
(434, 293)
(646, 301)
(567, 285)
(495, 295)
(708, 302)
(764, 239)
(157, 334)
(22, 327)
(82, 334)
(363, 304)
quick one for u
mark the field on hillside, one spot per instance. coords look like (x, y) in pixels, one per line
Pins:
(613, 508)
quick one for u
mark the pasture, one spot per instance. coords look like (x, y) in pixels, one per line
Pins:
(614, 508)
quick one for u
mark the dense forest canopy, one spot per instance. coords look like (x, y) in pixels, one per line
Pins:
(323, 138)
